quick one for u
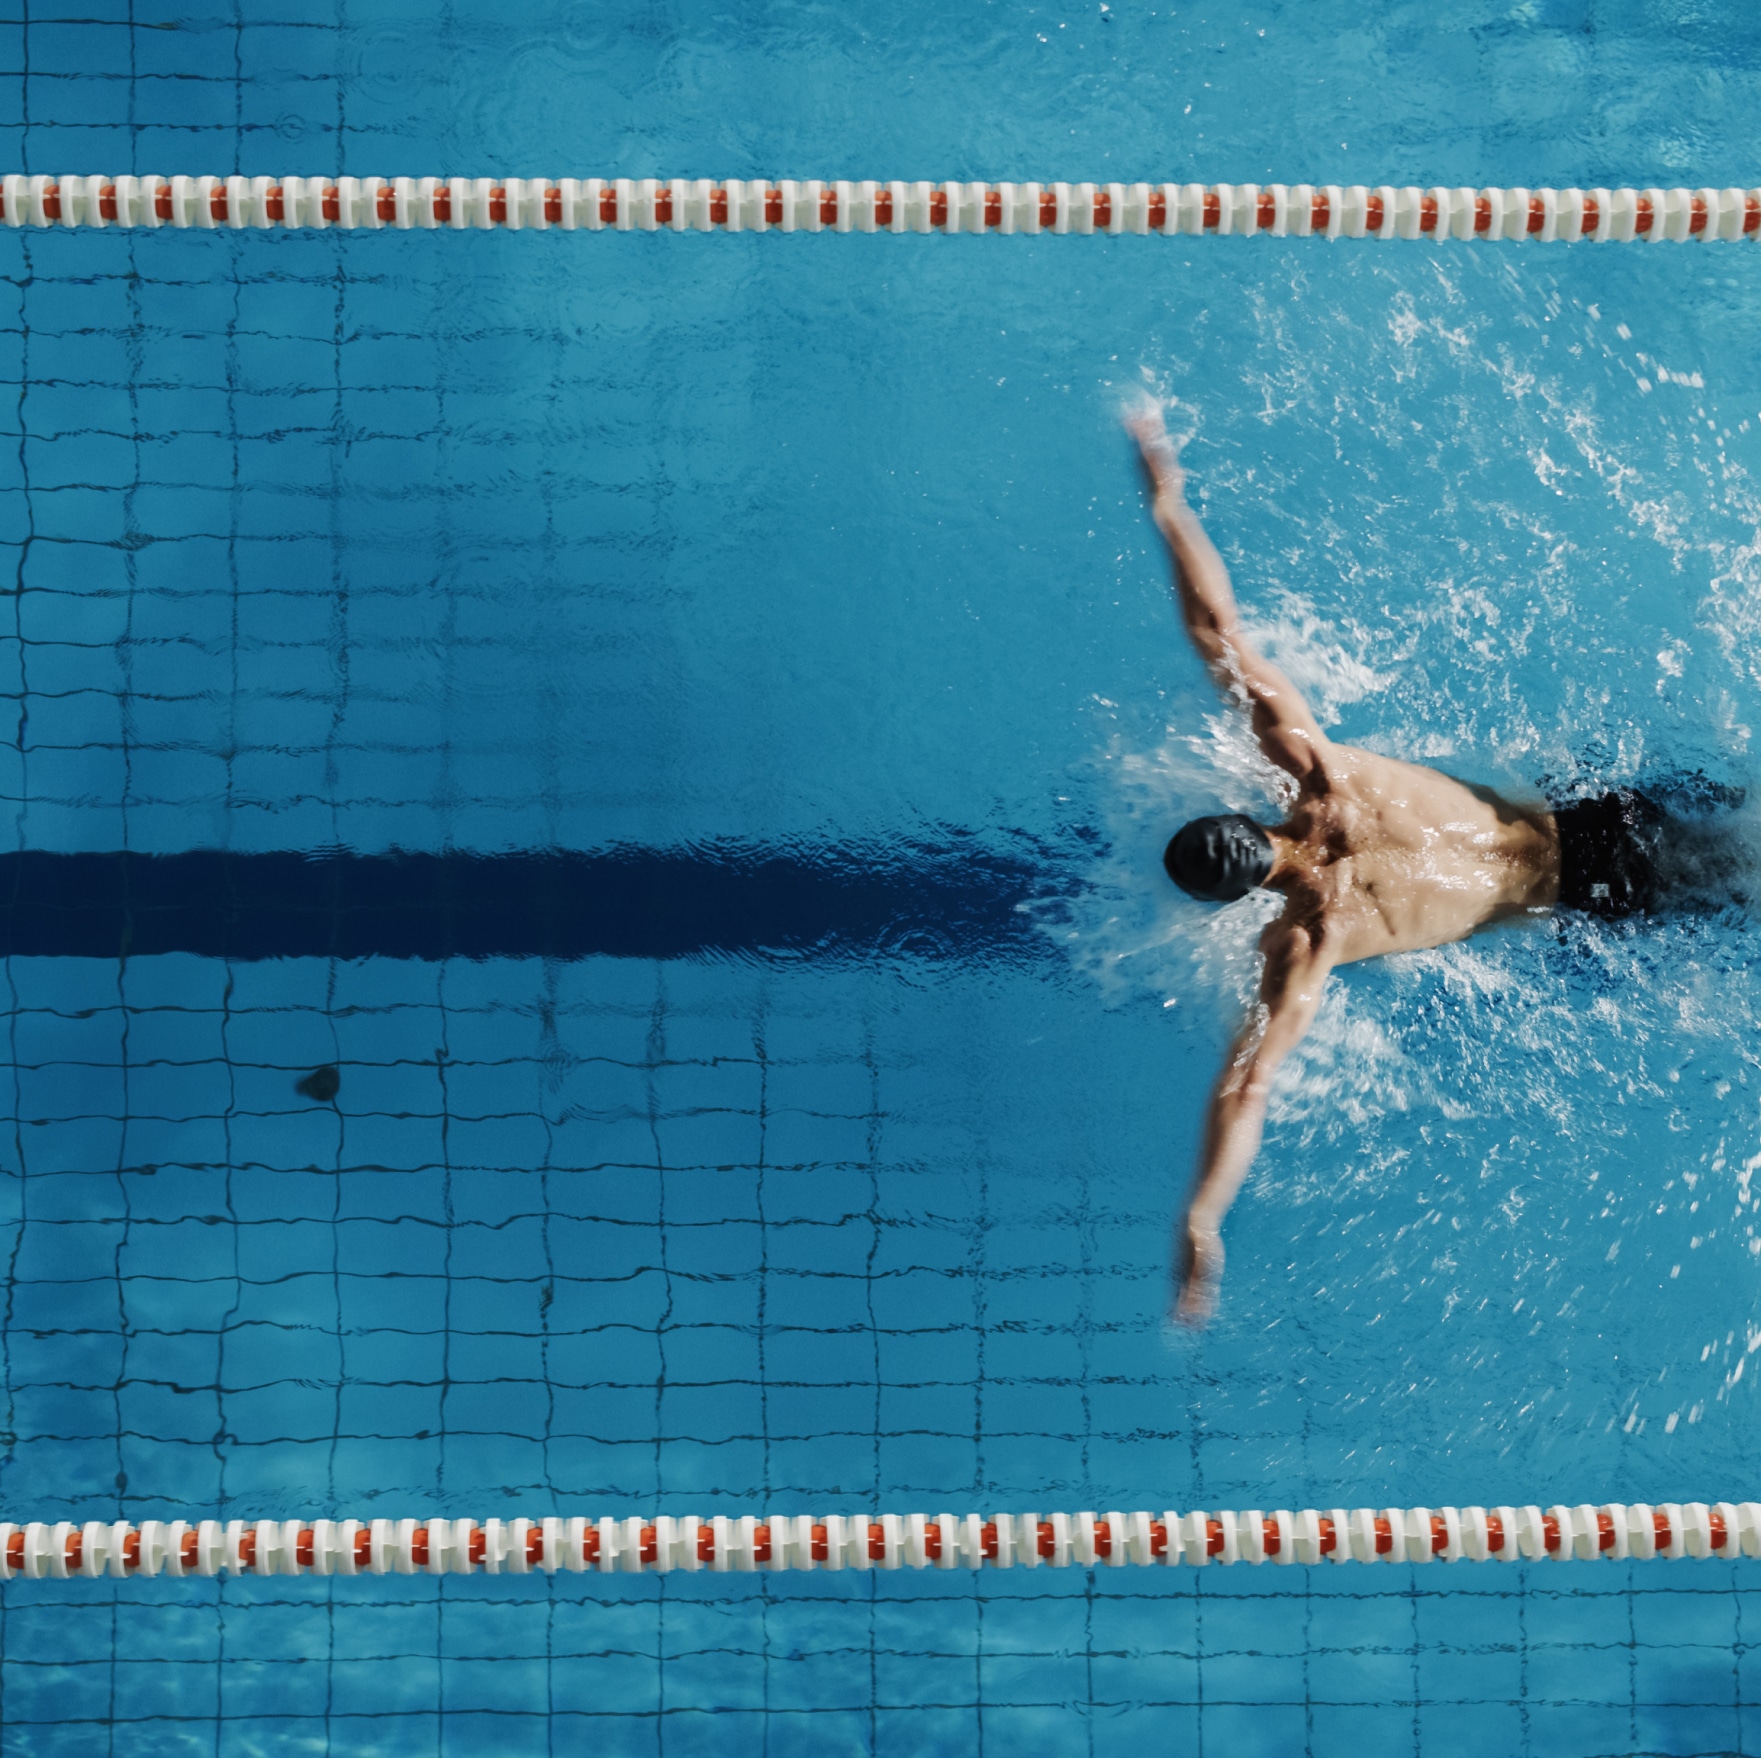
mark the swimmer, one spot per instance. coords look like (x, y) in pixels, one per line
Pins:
(1376, 856)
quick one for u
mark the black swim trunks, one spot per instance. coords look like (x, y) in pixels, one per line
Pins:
(1608, 854)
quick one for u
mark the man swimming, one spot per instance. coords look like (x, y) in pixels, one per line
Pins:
(1376, 856)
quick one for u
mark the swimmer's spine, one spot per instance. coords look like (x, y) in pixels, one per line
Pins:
(726, 1544)
(679, 204)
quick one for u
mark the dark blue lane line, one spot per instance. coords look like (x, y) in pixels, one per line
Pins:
(952, 900)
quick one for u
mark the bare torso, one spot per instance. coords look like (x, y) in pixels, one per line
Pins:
(1393, 857)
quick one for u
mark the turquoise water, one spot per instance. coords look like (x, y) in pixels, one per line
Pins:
(823, 559)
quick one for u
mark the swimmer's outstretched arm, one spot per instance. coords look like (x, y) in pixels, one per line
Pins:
(1290, 992)
(1287, 731)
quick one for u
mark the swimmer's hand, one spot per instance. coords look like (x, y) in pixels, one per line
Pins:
(1201, 1269)
(1161, 459)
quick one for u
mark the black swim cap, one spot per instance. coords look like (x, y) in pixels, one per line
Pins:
(1219, 859)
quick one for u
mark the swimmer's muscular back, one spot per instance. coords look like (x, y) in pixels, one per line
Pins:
(1377, 856)
(1380, 856)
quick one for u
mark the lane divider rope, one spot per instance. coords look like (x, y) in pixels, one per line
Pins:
(681, 204)
(1618, 1531)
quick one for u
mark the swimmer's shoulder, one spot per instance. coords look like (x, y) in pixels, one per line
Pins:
(1309, 924)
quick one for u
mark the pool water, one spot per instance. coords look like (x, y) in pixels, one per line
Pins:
(724, 698)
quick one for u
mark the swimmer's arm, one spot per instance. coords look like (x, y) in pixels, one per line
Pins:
(1282, 721)
(1290, 993)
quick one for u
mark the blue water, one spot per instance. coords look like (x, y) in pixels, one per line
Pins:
(687, 555)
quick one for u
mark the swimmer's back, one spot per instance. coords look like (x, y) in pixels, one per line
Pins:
(1395, 857)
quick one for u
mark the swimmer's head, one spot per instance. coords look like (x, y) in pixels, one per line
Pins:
(1219, 859)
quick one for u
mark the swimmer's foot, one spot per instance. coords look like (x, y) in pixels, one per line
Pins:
(1201, 1270)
